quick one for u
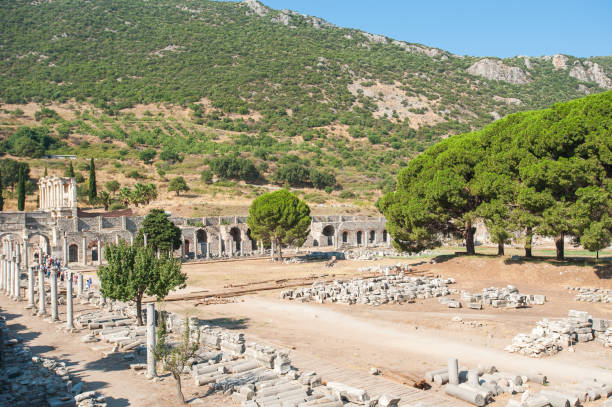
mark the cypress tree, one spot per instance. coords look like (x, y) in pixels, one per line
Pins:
(1, 194)
(45, 174)
(92, 193)
(21, 191)
(70, 171)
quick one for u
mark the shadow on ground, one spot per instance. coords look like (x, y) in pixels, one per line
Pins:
(227, 323)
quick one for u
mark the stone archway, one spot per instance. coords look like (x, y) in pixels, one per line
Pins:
(235, 235)
(328, 235)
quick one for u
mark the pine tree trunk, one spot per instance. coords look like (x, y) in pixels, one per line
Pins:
(279, 249)
(139, 309)
(528, 242)
(179, 389)
(468, 235)
(500, 249)
(597, 255)
(560, 245)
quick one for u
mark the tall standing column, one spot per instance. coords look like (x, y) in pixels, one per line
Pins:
(41, 292)
(145, 239)
(31, 288)
(2, 275)
(195, 245)
(99, 252)
(207, 250)
(80, 285)
(12, 277)
(54, 316)
(84, 250)
(17, 280)
(220, 245)
(150, 340)
(69, 317)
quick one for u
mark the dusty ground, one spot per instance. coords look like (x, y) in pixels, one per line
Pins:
(410, 338)
(406, 339)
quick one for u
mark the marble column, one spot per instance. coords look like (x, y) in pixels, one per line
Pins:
(17, 280)
(99, 252)
(54, 316)
(150, 340)
(80, 285)
(144, 236)
(25, 259)
(84, 250)
(207, 250)
(12, 277)
(69, 314)
(31, 303)
(65, 249)
(220, 246)
(2, 276)
(41, 293)
(195, 245)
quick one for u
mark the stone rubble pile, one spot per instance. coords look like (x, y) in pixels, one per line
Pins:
(552, 335)
(568, 394)
(505, 297)
(30, 380)
(253, 374)
(481, 385)
(374, 253)
(592, 294)
(391, 289)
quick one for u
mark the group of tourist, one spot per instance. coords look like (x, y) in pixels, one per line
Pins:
(50, 265)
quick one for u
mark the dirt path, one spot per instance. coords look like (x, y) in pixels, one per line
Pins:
(361, 341)
(108, 375)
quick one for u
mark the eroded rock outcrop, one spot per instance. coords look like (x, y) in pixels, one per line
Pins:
(496, 70)
(590, 72)
(256, 7)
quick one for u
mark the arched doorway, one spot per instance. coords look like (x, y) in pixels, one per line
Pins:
(372, 238)
(359, 237)
(253, 241)
(328, 233)
(235, 234)
(345, 237)
(73, 253)
(385, 236)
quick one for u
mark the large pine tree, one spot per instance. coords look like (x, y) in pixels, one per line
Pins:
(92, 192)
(21, 191)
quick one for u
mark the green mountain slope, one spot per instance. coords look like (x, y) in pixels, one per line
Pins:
(261, 82)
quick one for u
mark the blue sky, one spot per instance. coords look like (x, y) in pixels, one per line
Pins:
(476, 27)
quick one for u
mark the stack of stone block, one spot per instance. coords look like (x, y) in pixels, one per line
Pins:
(592, 294)
(373, 291)
(551, 336)
(506, 297)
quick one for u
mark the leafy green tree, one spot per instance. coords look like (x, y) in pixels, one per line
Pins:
(147, 156)
(92, 191)
(70, 171)
(321, 179)
(125, 196)
(207, 177)
(112, 186)
(597, 236)
(293, 174)
(10, 172)
(175, 358)
(177, 185)
(134, 271)
(161, 233)
(21, 190)
(234, 167)
(280, 218)
(105, 199)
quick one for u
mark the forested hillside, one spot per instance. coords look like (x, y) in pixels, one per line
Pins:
(248, 93)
